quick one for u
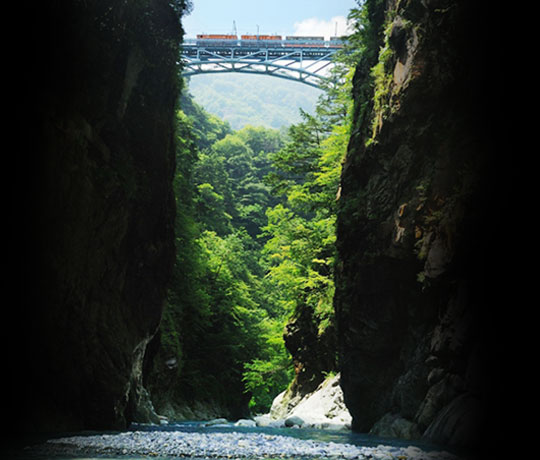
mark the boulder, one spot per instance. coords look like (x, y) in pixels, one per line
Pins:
(280, 423)
(294, 420)
(263, 420)
(245, 422)
(217, 421)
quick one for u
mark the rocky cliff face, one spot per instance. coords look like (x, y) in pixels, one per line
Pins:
(414, 229)
(313, 352)
(95, 127)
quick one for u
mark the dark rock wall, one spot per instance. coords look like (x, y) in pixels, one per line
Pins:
(97, 88)
(313, 352)
(416, 239)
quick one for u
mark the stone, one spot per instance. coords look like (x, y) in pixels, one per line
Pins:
(280, 423)
(245, 422)
(217, 421)
(294, 420)
(263, 420)
(168, 444)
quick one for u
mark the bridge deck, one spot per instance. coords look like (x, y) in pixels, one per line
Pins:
(304, 63)
(294, 53)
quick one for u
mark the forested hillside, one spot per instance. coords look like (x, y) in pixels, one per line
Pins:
(257, 100)
(255, 234)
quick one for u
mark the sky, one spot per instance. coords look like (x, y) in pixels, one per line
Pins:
(282, 17)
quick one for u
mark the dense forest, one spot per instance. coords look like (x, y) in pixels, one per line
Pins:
(255, 237)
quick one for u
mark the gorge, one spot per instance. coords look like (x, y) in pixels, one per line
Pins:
(95, 244)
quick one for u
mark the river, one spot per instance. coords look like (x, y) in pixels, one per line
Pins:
(197, 441)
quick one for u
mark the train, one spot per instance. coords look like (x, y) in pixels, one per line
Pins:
(258, 40)
(267, 41)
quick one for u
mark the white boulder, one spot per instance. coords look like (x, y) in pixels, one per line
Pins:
(245, 422)
(324, 408)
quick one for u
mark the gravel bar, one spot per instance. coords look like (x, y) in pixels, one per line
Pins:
(228, 445)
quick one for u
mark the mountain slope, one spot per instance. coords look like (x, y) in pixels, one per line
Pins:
(257, 100)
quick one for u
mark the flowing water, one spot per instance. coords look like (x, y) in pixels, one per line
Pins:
(33, 451)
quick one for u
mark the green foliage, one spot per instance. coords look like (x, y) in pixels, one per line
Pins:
(300, 249)
(256, 218)
(363, 50)
(269, 374)
(221, 314)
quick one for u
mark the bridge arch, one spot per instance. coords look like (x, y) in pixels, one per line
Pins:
(308, 65)
(275, 70)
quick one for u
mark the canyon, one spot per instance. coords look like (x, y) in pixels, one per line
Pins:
(419, 248)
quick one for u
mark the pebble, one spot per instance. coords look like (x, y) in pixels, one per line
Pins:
(229, 445)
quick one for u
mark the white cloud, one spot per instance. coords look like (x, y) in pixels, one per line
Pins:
(320, 27)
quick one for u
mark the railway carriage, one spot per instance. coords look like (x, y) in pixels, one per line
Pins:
(295, 41)
(217, 40)
(267, 41)
(264, 41)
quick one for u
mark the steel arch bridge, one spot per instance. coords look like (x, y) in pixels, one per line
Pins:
(296, 62)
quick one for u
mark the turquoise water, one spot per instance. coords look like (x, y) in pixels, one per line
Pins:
(347, 437)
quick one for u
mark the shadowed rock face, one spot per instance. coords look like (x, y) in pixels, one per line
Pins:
(96, 127)
(414, 233)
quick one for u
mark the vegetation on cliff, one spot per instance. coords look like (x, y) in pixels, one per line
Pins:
(220, 313)
(255, 235)
(415, 185)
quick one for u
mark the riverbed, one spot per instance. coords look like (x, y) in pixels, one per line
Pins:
(226, 441)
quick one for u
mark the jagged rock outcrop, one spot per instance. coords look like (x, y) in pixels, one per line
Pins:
(414, 229)
(322, 408)
(313, 351)
(98, 87)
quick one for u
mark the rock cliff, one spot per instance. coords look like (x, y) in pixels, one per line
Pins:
(97, 87)
(415, 227)
(323, 408)
(313, 352)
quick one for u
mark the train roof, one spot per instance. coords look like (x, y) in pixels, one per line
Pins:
(261, 37)
(296, 37)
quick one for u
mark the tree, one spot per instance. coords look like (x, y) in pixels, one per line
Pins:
(220, 314)
(255, 243)
(300, 246)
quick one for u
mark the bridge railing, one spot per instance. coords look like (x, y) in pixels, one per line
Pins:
(193, 42)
